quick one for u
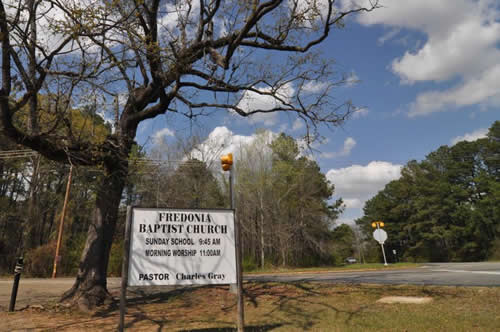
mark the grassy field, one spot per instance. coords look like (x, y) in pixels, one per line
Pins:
(281, 307)
(274, 269)
(347, 267)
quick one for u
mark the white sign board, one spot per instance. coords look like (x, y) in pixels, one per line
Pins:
(181, 247)
(380, 235)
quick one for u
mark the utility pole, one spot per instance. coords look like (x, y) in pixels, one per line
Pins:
(57, 258)
(227, 163)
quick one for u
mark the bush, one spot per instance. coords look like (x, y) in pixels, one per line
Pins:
(71, 253)
(494, 254)
(249, 264)
(336, 259)
(39, 262)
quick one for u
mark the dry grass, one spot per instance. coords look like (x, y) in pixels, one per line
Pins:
(281, 307)
(347, 267)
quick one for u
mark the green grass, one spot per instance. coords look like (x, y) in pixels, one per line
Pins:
(370, 266)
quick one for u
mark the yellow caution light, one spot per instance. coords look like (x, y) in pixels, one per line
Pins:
(227, 161)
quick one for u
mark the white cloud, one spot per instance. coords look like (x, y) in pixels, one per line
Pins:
(353, 203)
(123, 98)
(222, 141)
(362, 112)
(349, 144)
(160, 135)
(346, 220)
(45, 33)
(267, 119)
(352, 79)
(177, 12)
(311, 11)
(463, 38)
(484, 89)
(253, 101)
(388, 36)
(314, 87)
(356, 184)
(470, 137)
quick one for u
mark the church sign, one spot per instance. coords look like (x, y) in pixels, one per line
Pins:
(181, 247)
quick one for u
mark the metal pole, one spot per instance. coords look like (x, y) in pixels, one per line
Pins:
(125, 262)
(17, 275)
(13, 294)
(383, 253)
(239, 279)
(57, 258)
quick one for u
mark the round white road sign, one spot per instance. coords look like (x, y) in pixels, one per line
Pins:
(380, 235)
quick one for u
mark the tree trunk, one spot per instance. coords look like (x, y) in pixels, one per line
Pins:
(14, 189)
(262, 244)
(32, 224)
(90, 288)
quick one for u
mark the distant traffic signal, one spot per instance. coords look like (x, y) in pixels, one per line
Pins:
(378, 223)
(226, 161)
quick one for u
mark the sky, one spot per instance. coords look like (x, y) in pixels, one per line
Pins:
(426, 73)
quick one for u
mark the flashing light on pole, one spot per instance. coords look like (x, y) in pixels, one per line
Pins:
(380, 235)
(227, 161)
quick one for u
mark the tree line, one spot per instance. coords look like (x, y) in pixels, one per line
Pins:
(32, 190)
(445, 207)
(282, 201)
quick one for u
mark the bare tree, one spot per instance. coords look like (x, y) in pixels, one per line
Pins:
(150, 57)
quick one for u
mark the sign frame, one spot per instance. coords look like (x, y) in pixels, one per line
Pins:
(170, 246)
(127, 251)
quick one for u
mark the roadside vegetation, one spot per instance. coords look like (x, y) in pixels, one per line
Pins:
(444, 208)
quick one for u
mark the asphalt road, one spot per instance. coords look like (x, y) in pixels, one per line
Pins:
(451, 274)
(36, 291)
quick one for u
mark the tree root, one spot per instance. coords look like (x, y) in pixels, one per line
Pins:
(87, 299)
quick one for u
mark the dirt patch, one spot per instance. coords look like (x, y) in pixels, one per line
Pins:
(405, 299)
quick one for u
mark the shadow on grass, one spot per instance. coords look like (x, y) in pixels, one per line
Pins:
(252, 328)
(300, 304)
(281, 299)
(294, 300)
(137, 297)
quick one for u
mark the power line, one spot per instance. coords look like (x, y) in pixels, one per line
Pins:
(11, 154)
(17, 154)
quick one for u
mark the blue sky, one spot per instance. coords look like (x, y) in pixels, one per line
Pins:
(429, 75)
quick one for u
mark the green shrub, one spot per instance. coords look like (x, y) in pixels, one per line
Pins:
(39, 262)
(494, 254)
(249, 264)
(336, 259)
(71, 253)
